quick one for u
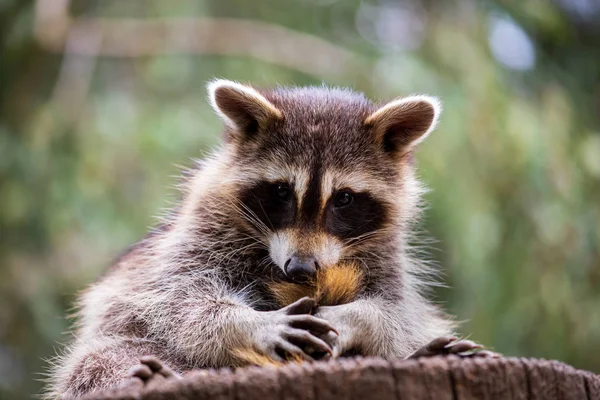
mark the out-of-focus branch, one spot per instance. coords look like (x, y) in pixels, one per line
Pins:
(75, 77)
(125, 37)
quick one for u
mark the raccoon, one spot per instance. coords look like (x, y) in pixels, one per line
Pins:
(291, 242)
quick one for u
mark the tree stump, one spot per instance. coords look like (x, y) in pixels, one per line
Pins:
(438, 378)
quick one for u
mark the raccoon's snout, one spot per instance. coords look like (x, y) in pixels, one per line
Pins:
(301, 269)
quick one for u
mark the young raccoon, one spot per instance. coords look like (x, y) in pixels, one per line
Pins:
(312, 193)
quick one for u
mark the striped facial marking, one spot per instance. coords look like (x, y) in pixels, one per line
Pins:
(312, 212)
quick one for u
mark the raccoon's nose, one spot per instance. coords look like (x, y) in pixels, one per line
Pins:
(300, 269)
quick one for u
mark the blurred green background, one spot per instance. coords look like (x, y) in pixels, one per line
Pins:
(101, 100)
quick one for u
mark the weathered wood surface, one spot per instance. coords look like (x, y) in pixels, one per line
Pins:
(437, 378)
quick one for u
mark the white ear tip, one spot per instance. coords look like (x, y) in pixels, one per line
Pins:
(436, 103)
(237, 99)
(214, 85)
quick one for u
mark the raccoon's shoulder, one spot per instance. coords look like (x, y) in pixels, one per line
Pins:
(138, 253)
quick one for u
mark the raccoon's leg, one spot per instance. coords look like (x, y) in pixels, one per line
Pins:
(359, 325)
(451, 345)
(100, 363)
(375, 326)
(218, 328)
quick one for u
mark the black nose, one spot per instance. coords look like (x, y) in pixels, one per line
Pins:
(301, 269)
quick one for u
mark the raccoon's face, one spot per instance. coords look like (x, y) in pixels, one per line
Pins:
(321, 175)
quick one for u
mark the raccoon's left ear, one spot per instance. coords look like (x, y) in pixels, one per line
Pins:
(403, 123)
(243, 109)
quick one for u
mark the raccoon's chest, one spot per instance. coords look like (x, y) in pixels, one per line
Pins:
(253, 280)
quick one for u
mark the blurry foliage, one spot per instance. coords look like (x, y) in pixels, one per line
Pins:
(514, 165)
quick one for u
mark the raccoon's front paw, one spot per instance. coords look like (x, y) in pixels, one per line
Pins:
(353, 326)
(151, 370)
(292, 333)
(450, 345)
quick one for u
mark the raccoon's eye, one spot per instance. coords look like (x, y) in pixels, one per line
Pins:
(342, 199)
(283, 192)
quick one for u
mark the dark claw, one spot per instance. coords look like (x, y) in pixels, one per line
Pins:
(305, 339)
(152, 369)
(152, 362)
(141, 371)
(294, 350)
(461, 346)
(313, 324)
(440, 343)
(435, 347)
(157, 366)
(303, 306)
(449, 345)
(330, 338)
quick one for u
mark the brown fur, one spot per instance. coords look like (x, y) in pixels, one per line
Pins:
(332, 286)
(339, 284)
(205, 289)
(250, 356)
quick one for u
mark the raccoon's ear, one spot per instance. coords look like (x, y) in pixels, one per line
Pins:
(242, 108)
(403, 123)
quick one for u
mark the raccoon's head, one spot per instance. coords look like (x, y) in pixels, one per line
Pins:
(321, 175)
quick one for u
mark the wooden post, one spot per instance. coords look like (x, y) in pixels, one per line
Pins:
(441, 378)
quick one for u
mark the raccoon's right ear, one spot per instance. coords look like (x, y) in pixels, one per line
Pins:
(403, 123)
(243, 109)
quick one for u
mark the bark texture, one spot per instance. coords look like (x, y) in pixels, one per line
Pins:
(443, 378)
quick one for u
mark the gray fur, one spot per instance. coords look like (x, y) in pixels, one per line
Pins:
(196, 288)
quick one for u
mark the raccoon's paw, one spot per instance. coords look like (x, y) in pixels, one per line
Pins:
(291, 333)
(451, 345)
(151, 370)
